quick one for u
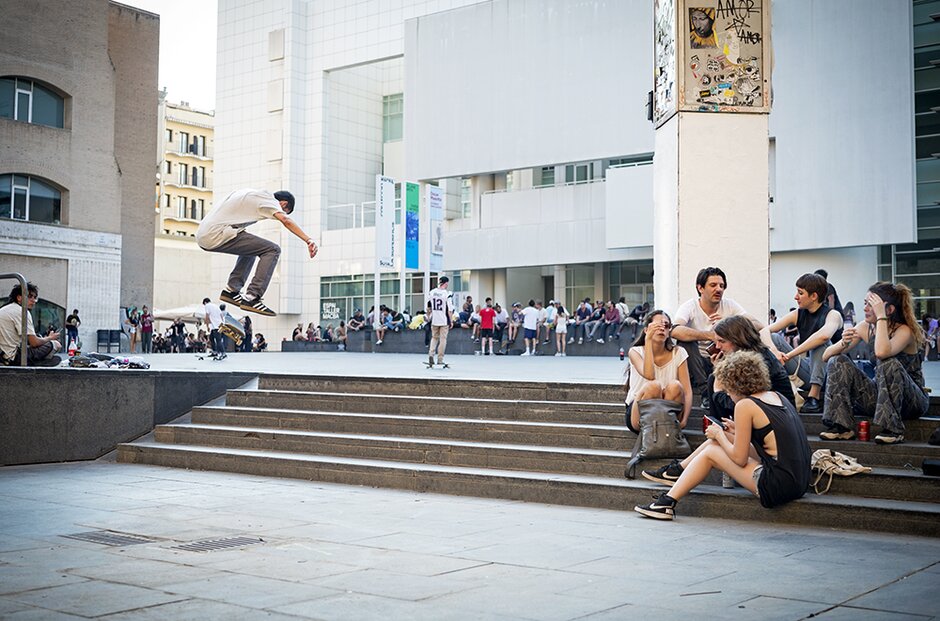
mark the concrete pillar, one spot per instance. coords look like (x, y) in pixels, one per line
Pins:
(499, 288)
(711, 210)
(600, 292)
(478, 186)
(560, 283)
(710, 175)
(481, 285)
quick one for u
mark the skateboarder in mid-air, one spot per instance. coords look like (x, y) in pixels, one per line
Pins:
(223, 230)
(442, 310)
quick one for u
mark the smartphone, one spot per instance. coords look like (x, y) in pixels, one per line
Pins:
(715, 421)
(712, 349)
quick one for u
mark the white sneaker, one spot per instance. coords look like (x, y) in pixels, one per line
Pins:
(557, 354)
(571, 340)
(379, 342)
(564, 355)
(600, 340)
(580, 341)
(525, 353)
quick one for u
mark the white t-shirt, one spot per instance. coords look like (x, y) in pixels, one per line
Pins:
(561, 323)
(239, 210)
(441, 306)
(502, 317)
(691, 315)
(664, 374)
(550, 314)
(10, 334)
(215, 315)
(530, 317)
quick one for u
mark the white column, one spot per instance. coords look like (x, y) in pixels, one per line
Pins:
(710, 207)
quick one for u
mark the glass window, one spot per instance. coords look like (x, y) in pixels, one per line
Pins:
(184, 173)
(168, 136)
(169, 167)
(202, 209)
(181, 206)
(466, 198)
(392, 117)
(29, 198)
(547, 175)
(28, 101)
(184, 142)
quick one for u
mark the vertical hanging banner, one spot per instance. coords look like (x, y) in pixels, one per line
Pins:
(385, 221)
(412, 224)
(435, 200)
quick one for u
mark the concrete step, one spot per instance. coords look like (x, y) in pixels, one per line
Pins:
(599, 437)
(908, 455)
(456, 407)
(439, 387)
(914, 518)
(897, 484)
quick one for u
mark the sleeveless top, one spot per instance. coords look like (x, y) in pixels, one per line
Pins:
(911, 363)
(809, 323)
(787, 476)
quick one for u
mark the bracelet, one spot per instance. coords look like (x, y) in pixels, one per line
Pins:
(882, 319)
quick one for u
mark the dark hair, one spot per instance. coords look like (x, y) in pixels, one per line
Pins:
(75, 311)
(822, 273)
(284, 195)
(899, 296)
(531, 302)
(813, 283)
(641, 338)
(206, 300)
(443, 280)
(17, 291)
(739, 330)
(705, 272)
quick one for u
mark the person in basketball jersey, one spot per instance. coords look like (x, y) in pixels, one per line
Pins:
(442, 312)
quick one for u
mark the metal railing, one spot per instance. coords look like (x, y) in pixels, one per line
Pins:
(24, 300)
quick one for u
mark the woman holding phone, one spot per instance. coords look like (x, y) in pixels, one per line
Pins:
(737, 333)
(764, 448)
(897, 393)
(658, 370)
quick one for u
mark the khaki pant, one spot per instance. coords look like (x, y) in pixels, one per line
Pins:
(438, 342)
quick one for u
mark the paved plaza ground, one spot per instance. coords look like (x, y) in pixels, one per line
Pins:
(324, 551)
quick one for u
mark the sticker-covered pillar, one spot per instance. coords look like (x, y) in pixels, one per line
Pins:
(711, 101)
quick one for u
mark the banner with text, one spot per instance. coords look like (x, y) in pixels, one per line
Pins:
(435, 200)
(385, 221)
(412, 224)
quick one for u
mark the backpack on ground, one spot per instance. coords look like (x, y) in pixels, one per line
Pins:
(827, 461)
(660, 434)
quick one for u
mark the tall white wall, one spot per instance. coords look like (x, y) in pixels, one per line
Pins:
(843, 118)
(508, 84)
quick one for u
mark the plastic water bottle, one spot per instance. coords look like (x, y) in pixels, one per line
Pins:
(621, 353)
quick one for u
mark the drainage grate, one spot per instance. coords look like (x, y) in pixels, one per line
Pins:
(109, 538)
(211, 545)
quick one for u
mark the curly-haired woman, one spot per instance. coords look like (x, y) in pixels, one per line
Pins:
(764, 448)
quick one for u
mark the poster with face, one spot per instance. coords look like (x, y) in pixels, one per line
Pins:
(723, 61)
(664, 76)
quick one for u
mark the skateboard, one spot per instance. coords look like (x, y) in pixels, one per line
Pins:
(431, 365)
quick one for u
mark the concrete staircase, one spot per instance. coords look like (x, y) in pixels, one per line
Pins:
(538, 442)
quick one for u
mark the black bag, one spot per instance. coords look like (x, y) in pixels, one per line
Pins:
(934, 439)
(931, 467)
(660, 434)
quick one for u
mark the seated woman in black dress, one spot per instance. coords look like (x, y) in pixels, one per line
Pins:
(737, 333)
(764, 448)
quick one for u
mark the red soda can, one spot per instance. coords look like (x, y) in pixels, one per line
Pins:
(863, 427)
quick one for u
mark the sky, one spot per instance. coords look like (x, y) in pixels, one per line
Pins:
(187, 48)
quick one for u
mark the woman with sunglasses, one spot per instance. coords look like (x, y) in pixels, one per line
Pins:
(897, 393)
(658, 370)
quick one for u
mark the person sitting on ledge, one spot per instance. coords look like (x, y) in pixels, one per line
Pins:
(357, 321)
(658, 370)
(897, 392)
(40, 351)
(737, 333)
(764, 448)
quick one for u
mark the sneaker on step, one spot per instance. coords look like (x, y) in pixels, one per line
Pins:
(667, 475)
(663, 508)
(837, 432)
(525, 353)
(889, 437)
(231, 297)
(571, 340)
(812, 405)
(580, 341)
(558, 354)
(600, 341)
(256, 306)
